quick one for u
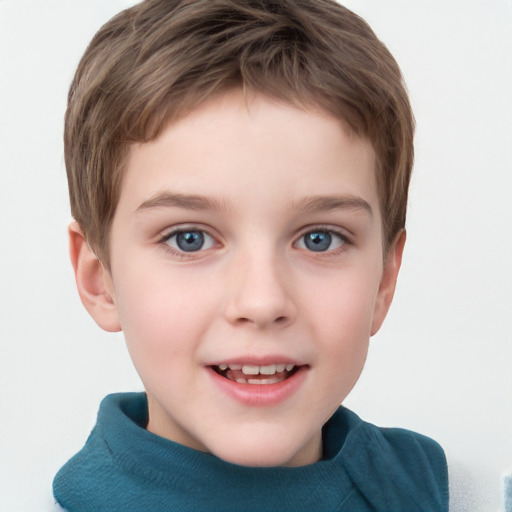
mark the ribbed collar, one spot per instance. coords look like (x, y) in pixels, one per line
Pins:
(121, 424)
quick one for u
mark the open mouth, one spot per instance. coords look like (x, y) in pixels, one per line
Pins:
(251, 374)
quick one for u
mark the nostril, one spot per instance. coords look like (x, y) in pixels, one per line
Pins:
(281, 320)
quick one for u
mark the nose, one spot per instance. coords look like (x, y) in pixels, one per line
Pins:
(260, 293)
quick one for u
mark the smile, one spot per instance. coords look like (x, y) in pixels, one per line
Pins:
(258, 375)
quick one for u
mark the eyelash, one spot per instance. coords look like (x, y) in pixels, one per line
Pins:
(342, 237)
(164, 240)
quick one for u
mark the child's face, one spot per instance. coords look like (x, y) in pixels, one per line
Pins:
(249, 234)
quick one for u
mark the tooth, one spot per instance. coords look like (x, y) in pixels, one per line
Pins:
(289, 367)
(272, 380)
(223, 367)
(268, 370)
(280, 367)
(235, 366)
(241, 381)
(248, 369)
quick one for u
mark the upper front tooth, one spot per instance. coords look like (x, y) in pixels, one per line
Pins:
(268, 370)
(250, 370)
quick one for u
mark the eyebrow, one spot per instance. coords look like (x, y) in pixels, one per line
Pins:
(202, 203)
(188, 202)
(328, 203)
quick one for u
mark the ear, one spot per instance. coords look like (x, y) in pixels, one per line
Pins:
(93, 281)
(388, 281)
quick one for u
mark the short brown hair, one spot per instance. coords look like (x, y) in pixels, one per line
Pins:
(161, 58)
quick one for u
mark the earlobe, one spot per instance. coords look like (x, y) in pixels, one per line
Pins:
(388, 281)
(93, 281)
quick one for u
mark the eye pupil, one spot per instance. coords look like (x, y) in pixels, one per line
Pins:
(190, 241)
(318, 241)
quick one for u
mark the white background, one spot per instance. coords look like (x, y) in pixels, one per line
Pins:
(442, 364)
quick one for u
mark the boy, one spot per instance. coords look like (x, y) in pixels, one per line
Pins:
(238, 176)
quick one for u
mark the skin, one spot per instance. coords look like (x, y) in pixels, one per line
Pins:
(262, 174)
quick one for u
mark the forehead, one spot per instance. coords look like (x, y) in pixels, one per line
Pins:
(251, 147)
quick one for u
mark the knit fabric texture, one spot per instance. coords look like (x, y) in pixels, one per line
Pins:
(123, 467)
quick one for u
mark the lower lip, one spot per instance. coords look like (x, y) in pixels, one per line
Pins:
(260, 394)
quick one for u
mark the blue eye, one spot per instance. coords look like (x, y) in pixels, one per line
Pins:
(321, 240)
(190, 240)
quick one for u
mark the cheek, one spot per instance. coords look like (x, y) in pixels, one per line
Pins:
(160, 331)
(345, 325)
(341, 322)
(158, 311)
(345, 304)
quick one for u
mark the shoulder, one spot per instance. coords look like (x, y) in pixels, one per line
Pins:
(398, 468)
(87, 475)
(94, 473)
(414, 450)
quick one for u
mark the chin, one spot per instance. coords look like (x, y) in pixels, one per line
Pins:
(256, 458)
(265, 454)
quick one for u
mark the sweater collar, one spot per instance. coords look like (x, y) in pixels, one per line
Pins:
(121, 423)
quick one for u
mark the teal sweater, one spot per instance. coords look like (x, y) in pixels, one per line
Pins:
(124, 468)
